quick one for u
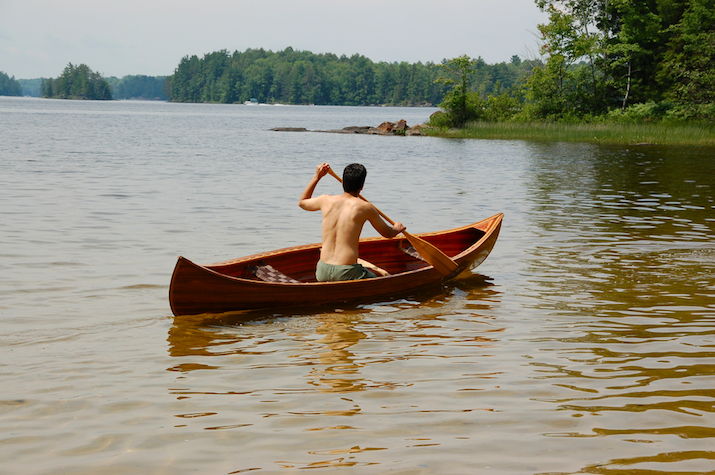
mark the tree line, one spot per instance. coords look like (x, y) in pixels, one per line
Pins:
(80, 82)
(302, 77)
(9, 86)
(604, 60)
(77, 82)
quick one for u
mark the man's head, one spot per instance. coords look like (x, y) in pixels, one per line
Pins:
(354, 178)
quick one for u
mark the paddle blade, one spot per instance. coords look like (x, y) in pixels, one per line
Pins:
(436, 258)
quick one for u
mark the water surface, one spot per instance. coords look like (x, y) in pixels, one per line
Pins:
(583, 344)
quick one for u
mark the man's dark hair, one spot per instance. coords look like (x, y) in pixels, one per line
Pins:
(354, 178)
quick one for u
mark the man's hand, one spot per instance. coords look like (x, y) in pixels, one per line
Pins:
(321, 170)
(398, 227)
(306, 201)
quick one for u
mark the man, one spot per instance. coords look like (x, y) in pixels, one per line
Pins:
(343, 218)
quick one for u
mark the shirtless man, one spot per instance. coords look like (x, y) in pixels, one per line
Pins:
(343, 218)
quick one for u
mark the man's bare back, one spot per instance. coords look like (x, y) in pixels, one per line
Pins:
(343, 219)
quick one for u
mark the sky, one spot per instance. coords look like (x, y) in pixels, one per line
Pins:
(38, 38)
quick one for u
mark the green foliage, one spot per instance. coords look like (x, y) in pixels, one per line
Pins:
(644, 61)
(691, 112)
(688, 68)
(634, 50)
(480, 92)
(502, 107)
(642, 112)
(9, 86)
(440, 120)
(77, 82)
(460, 104)
(601, 132)
(301, 77)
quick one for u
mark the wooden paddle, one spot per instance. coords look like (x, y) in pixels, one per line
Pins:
(436, 258)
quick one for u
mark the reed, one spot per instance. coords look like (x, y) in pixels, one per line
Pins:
(607, 133)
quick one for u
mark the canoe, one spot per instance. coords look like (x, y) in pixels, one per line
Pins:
(286, 277)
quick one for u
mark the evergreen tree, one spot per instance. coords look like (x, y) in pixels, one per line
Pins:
(9, 86)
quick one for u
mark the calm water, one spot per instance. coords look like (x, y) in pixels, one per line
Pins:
(584, 344)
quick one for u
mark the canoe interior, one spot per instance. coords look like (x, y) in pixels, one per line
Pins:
(299, 263)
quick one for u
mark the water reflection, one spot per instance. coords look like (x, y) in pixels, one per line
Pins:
(339, 369)
(694, 462)
(343, 352)
(208, 334)
(623, 263)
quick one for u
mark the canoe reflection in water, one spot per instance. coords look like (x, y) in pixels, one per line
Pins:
(341, 351)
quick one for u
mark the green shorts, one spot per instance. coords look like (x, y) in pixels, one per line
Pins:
(331, 272)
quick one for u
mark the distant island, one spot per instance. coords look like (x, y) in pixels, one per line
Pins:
(77, 82)
(80, 82)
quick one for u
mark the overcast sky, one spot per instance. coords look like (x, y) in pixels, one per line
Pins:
(121, 37)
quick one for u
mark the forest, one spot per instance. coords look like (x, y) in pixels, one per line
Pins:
(302, 77)
(638, 60)
(656, 53)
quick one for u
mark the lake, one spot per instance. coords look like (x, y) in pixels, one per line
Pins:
(585, 343)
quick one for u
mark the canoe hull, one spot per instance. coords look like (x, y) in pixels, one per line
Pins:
(226, 286)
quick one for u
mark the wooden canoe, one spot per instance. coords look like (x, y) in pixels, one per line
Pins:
(233, 285)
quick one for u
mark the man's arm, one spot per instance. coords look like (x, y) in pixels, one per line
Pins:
(306, 201)
(381, 226)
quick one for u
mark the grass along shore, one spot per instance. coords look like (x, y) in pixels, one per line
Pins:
(605, 133)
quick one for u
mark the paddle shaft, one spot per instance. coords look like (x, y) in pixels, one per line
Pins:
(438, 259)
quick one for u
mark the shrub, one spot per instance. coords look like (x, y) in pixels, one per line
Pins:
(643, 112)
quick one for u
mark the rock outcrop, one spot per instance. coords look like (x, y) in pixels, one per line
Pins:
(290, 129)
(386, 128)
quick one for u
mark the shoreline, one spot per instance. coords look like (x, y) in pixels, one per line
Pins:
(604, 133)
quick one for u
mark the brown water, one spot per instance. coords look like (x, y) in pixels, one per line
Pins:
(584, 344)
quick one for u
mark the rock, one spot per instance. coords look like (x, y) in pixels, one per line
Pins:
(353, 129)
(357, 129)
(386, 126)
(399, 126)
(337, 131)
(290, 129)
(414, 132)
